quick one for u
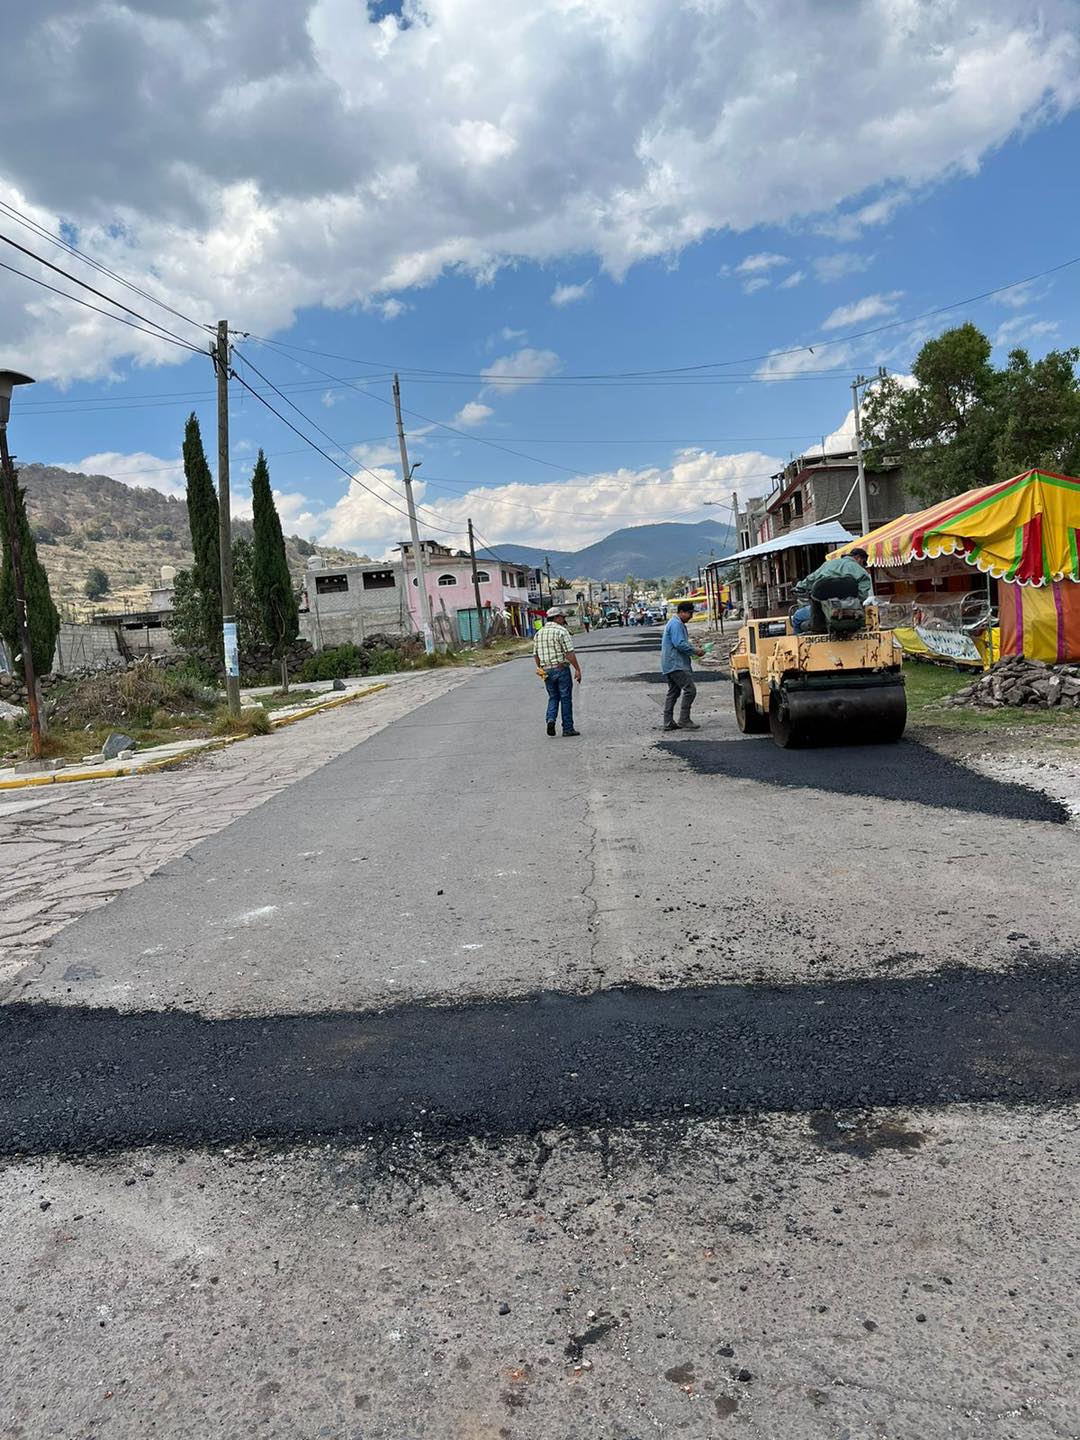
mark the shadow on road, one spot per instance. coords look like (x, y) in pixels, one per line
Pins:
(79, 1080)
(907, 771)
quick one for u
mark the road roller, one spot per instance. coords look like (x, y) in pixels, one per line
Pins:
(842, 686)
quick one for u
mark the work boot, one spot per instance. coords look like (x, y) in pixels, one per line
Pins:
(571, 732)
(670, 725)
(551, 727)
(688, 725)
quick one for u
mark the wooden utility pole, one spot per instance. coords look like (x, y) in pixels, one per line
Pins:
(476, 587)
(21, 625)
(228, 612)
(414, 530)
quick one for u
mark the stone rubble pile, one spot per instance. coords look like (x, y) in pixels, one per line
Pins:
(1019, 681)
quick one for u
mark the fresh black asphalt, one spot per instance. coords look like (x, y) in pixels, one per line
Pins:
(81, 1080)
(908, 771)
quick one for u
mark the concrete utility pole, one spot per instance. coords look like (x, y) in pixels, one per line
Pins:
(228, 612)
(476, 587)
(864, 499)
(8, 380)
(551, 592)
(414, 530)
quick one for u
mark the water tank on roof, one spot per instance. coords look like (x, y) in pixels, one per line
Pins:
(168, 575)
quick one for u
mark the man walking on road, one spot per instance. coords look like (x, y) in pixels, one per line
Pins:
(676, 663)
(555, 659)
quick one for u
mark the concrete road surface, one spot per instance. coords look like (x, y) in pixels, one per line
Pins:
(478, 1084)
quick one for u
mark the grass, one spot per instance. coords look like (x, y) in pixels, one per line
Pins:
(927, 685)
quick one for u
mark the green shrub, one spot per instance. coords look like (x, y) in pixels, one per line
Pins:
(253, 721)
(384, 662)
(335, 664)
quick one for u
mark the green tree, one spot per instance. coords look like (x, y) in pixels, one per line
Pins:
(965, 423)
(273, 583)
(186, 622)
(202, 506)
(97, 583)
(1040, 421)
(561, 582)
(43, 618)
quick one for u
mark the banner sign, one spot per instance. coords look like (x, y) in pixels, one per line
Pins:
(232, 649)
(952, 644)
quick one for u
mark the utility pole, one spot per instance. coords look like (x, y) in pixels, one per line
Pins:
(8, 379)
(547, 567)
(864, 499)
(476, 587)
(228, 611)
(414, 530)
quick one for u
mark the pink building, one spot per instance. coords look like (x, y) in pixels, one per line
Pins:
(504, 589)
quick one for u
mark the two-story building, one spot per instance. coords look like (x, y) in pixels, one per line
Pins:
(344, 604)
(504, 592)
(813, 506)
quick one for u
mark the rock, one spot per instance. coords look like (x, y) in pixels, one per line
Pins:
(8, 711)
(29, 767)
(115, 744)
(338, 685)
(745, 1376)
(504, 1308)
(126, 755)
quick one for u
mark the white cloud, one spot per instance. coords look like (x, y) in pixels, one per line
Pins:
(757, 283)
(392, 308)
(330, 398)
(790, 281)
(276, 167)
(849, 226)
(844, 262)
(566, 514)
(508, 334)
(764, 261)
(523, 367)
(139, 468)
(1022, 330)
(570, 294)
(870, 307)
(784, 363)
(473, 413)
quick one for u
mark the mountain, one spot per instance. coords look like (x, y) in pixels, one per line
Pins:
(129, 532)
(647, 551)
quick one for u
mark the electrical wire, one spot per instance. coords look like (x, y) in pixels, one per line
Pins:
(45, 234)
(714, 364)
(59, 270)
(156, 334)
(330, 459)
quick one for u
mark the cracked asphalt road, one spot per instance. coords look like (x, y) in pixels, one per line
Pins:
(481, 1085)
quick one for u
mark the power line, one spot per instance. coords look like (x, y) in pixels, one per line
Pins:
(708, 364)
(44, 233)
(155, 334)
(59, 270)
(330, 459)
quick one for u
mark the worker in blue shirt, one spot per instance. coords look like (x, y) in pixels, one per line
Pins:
(677, 665)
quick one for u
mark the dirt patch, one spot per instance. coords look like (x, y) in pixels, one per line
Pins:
(865, 1138)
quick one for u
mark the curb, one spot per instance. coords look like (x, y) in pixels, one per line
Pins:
(72, 776)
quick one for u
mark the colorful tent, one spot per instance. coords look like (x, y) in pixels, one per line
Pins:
(1022, 531)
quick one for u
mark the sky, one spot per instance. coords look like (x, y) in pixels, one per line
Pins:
(626, 255)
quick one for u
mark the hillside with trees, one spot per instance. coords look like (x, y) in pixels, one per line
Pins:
(88, 523)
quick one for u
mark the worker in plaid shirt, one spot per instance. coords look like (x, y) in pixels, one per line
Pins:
(556, 661)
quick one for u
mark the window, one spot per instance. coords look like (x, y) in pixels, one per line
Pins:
(785, 513)
(379, 580)
(483, 577)
(505, 578)
(797, 500)
(331, 584)
(447, 579)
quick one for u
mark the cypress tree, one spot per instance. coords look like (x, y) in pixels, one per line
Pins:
(42, 616)
(202, 507)
(273, 583)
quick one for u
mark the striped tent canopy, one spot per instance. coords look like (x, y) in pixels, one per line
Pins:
(1022, 531)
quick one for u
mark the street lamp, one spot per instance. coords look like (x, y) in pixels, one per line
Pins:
(8, 381)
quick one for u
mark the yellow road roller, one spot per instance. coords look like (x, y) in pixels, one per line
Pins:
(843, 686)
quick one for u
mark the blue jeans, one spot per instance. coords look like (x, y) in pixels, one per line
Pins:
(560, 689)
(801, 619)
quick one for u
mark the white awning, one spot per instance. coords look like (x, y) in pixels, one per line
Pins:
(831, 533)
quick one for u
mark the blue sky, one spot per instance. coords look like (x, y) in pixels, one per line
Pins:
(538, 234)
